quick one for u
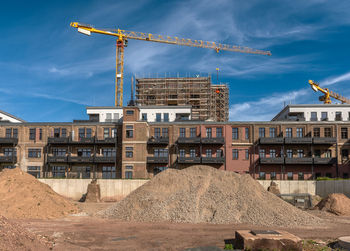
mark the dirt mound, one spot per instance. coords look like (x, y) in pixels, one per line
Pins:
(14, 237)
(23, 196)
(336, 203)
(203, 194)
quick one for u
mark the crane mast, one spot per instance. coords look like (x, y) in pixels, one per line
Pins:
(326, 98)
(122, 41)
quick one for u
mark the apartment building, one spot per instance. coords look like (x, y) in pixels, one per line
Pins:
(136, 148)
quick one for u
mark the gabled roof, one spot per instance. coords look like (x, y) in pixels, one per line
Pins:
(12, 116)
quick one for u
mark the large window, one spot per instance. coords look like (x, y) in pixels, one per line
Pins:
(129, 131)
(192, 153)
(317, 132)
(219, 132)
(10, 151)
(262, 153)
(106, 133)
(234, 133)
(313, 116)
(182, 153)
(165, 132)
(272, 153)
(11, 133)
(81, 133)
(32, 133)
(88, 132)
(289, 153)
(59, 151)
(34, 170)
(166, 117)
(208, 153)
(158, 117)
(182, 132)
(324, 116)
(58, 171)
(344, 132)
(209, 132)
(261, 132)
(234, 153)
(338, 116)
(144, 117)
(300, 153)
(289, 133)
(129, 152)
(272, 132)
(34, 153)
(84, 152)
(109, 172)
(273, 175)
(300, 133)
(161, 152)
(128, 174)
(328, 132)
(246, 154)
(193, 132)
(246, 133)
(108, 152)
(157, 132)
(219, 153)
(290, 176)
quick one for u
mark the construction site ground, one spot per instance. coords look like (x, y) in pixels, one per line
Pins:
(87, 232)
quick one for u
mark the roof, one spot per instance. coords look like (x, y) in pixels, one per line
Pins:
(12, 116)
(142, 107)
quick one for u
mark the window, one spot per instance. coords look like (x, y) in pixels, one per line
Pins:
(208, 153)
(289, 153)
(158, 117)
(58, 172)
(114, 132)
(193, 132)
(272, 153)
(108, 117)
(106, 133)
(8, 133)
(219, 132)
(324, 116)
(290, 176)
(129, 112)
(234, 133)
(34, 153)
(182, 153)
(109, 172)
(262, 176)
(40, 133)
(345, 154)
(129, 167)
(81, 133)
(300, 153)
(32, 133)
(262, 132)
(34, 170)
(317, 153)
(182, 132)
(157, 170)
(272, 132)
(88, 132)
(289, 133)
(84, 152)
(234, 153)
(144, 117)
(300, 176)
(129, 131)
(85, 172)
(317, 132)
(157, 132)
(59, 151)
(208, 132)
(262, 153)
(12, 133)
(328, 153)
(338, 116)
(300, 133)
(219, 153)
(166, 117)
(313, 116)
(108, 152)
(64, 132)
(128, 174)
(160, 152)
(129, 152)
(192, 153)
(328, 132)
(165, 132)
(273, 175)
(10, 152)
(344, 132)
(246, 154)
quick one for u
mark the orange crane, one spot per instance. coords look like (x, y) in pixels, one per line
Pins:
(326, 98)
(122, 42)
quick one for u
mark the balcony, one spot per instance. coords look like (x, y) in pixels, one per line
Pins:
(325, 141)
(58, 159)
(8, 159)
(324, 161)
(190, 140)
(299, 161)
(106, 141)
(271, 141)
(272, 161)
(60, 140)
(213, 141)
(301, 140)
(189, 160)
(213, 160)
(80, 159)
(158, 141)
(104, 159)
(8, 141)
(85, 140)
(157, 160)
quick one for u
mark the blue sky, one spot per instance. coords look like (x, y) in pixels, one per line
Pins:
(50, 72)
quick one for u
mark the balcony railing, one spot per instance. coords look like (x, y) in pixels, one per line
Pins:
(213, 160)
(11, 141)
(80, 159)
(276, 161)
(301, 140)
(303, 160)
(57, 159)
(60, 140)
(218, 140)
(158, 141)
(271, 141)
(8, 159)
(106, 141)
(189, 160)
(104, 159)
(190, 140)
(325, 141)
(324, 161)
(157, 160)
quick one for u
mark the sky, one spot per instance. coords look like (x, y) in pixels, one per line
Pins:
(49, 72)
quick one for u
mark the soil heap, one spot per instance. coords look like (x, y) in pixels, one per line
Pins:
(202, 194)
(336, 203)
(23, 196)
(14, 237)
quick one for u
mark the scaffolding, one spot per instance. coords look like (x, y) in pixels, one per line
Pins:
(209, 102)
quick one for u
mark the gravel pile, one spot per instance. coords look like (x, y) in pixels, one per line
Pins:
(201, 194)
(336, 203)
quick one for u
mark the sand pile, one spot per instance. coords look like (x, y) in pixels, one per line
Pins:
(23, 196)
(203, 194)
(14, 237)
(336, 203)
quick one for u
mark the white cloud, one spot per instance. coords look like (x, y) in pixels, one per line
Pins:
(336, 79)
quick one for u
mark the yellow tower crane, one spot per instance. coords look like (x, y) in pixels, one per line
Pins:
(122, 42)
(326, 98)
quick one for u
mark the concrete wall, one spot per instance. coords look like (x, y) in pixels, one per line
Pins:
(325, 187)
(110, 189)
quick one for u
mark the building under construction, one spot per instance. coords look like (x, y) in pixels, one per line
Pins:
(208, 101)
